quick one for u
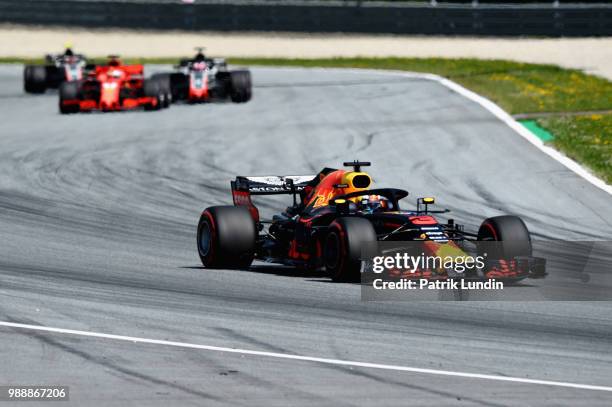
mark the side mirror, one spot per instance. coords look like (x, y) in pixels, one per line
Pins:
(426, 201)
(342, 206)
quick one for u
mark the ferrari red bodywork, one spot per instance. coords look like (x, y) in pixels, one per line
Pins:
(110, 88)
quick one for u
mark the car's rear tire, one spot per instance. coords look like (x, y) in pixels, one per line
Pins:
(508, 229)
(152, 89)
(226, 237)
(69, 91)
(240, 86)
(346, 237)
(179, 86)
(35, 79)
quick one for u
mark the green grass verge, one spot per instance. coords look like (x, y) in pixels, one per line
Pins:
(586, 139)
(516, 87)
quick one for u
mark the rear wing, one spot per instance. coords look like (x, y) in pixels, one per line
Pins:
(244, 187)
(272, 185)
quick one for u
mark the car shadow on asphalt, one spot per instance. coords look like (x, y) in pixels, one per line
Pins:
(317, 276)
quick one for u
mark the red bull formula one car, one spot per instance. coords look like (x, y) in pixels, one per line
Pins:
(112, 87)
(334, 215)
(58, 68)
(202, 79)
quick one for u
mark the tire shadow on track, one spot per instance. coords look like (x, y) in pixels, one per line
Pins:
(279, 271)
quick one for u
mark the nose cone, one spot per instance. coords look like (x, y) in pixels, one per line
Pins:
(109, 97)
(198, 88)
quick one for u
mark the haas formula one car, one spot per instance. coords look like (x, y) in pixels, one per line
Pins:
(57, 69)
(334, 215)
(203, 79)
(112, 87)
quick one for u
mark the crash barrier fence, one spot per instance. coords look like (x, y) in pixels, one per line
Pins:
(545, 19)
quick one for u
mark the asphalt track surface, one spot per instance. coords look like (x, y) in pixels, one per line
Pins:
(97, 233)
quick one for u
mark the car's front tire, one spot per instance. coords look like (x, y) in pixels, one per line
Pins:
(69, 91)
(512, 231)
(346, 237)
(226, 237)
(152, 89)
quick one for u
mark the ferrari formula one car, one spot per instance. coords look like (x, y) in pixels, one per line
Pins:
(112, 87)
(58, 68)
(202, 79)
(333, 216)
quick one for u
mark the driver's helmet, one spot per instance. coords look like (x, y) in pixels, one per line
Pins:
(372, 203)
(68, 52)
(199, 57)
(199, 66)
(115, 73)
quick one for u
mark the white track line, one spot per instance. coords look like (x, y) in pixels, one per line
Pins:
(306, 358)
(497, 112)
